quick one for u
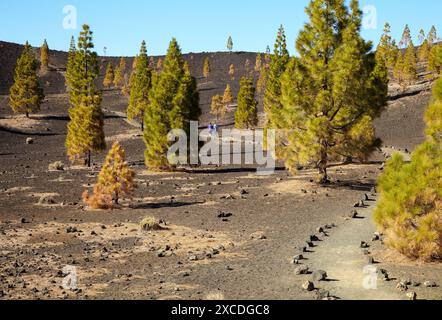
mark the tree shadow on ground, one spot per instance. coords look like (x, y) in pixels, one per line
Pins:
(177, 204)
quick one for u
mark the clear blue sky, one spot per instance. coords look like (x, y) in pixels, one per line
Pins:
(199, 25)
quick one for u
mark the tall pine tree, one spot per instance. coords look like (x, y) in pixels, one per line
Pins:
(174, 102)
(26, 95)
(140, 87)
(44, 56)
(332, 92)
(246, 116)
(406, 37)
(387, 49)
(109, 76)
(120, 73)
(206, 68)
(85, 129)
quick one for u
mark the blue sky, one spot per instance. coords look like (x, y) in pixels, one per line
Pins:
(199, 25)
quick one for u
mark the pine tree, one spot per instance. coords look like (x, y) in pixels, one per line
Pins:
(115, 180)
(424, 51)
(409, 209)
(109, 77)
(206, 68)
(83, 70)
(421, 36)
(399, 69)
(174, 102)
(332, 92)
(258, 63)
(410, 64)
(246, 116)
(159, 65)
(26, 95)
(262, 80)
(406, 37)
(85, 129)
(140, 87)
(44, 56)
(227, 96)
(387, 49)
(120, 73)
(248, 67)
(272, 94)
(230, 44)
(432, 36)
(70, 66)
(232, 71)
(217, 107)
(435, 59)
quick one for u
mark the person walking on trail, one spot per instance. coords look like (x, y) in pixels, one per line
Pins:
(215, 128)
(211, 128)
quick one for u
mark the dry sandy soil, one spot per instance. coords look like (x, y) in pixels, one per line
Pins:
(245, 255)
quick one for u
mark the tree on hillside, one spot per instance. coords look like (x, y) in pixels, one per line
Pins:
(174, 102)
(206, 68)
(217, 108)
(85, 129)
(432, 36)
(230, 44)
(44, 56)
(140, 87)
(159, 65)
(109, 76)
(116, 180)
(409, 209)
(120, 73)
(332, 92)
(387, 49)
(406, 37)
(410, 64)
(272, 93)
(227, 96)
(246, 116)
(232, 71)
(424, 51)
(26, 95)
(258, 63)
(421, 36)
(435, 59)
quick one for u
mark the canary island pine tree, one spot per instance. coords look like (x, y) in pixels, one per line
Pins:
(332, 92)
(232, 71)
(409, 210)
(174, 102)
(140, 87)
(435, 59)
(272, 93)
(44, 56)
(387, 48)
(258, 63)
(217, 107)
(109, 76)
(26, 95)
(230, 44)
(85, 129)
(227, 96)
(116, 180)
(120, 73)
(424, 51)
(206, 68)
(246, 116)
(410, 64)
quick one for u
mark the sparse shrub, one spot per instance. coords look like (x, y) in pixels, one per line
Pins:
(150, 224)
(206, 68)
(410, 208)
(116, 179)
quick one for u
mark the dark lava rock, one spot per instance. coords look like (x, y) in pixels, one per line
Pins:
(308, 286)
(301, 270)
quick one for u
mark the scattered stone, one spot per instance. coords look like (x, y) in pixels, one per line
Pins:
(224, 215)
(56, 166)
(29, 141)
(310, 244)
(301, 270)
(366, 197)
(161, 253)
(354, 214)
(376, 237)
(319, 275)
(322, 294)
(23, 221)
(243, 192)
(46, 200)
(314, 238)
(298, 257)
(370, 260)
(430, 284)
(402, 286)
(71, 229)
(412, 296)
(258, 236)
(193, 258)
(308, 286)
(407, 282)
(320, 230)
(364, 245)
(383, 275)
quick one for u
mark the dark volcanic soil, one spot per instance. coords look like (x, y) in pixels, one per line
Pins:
(200, 255)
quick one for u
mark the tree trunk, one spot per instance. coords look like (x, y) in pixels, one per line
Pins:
(27, 114)
(142, 121)
(322, 164)
(116, 197)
